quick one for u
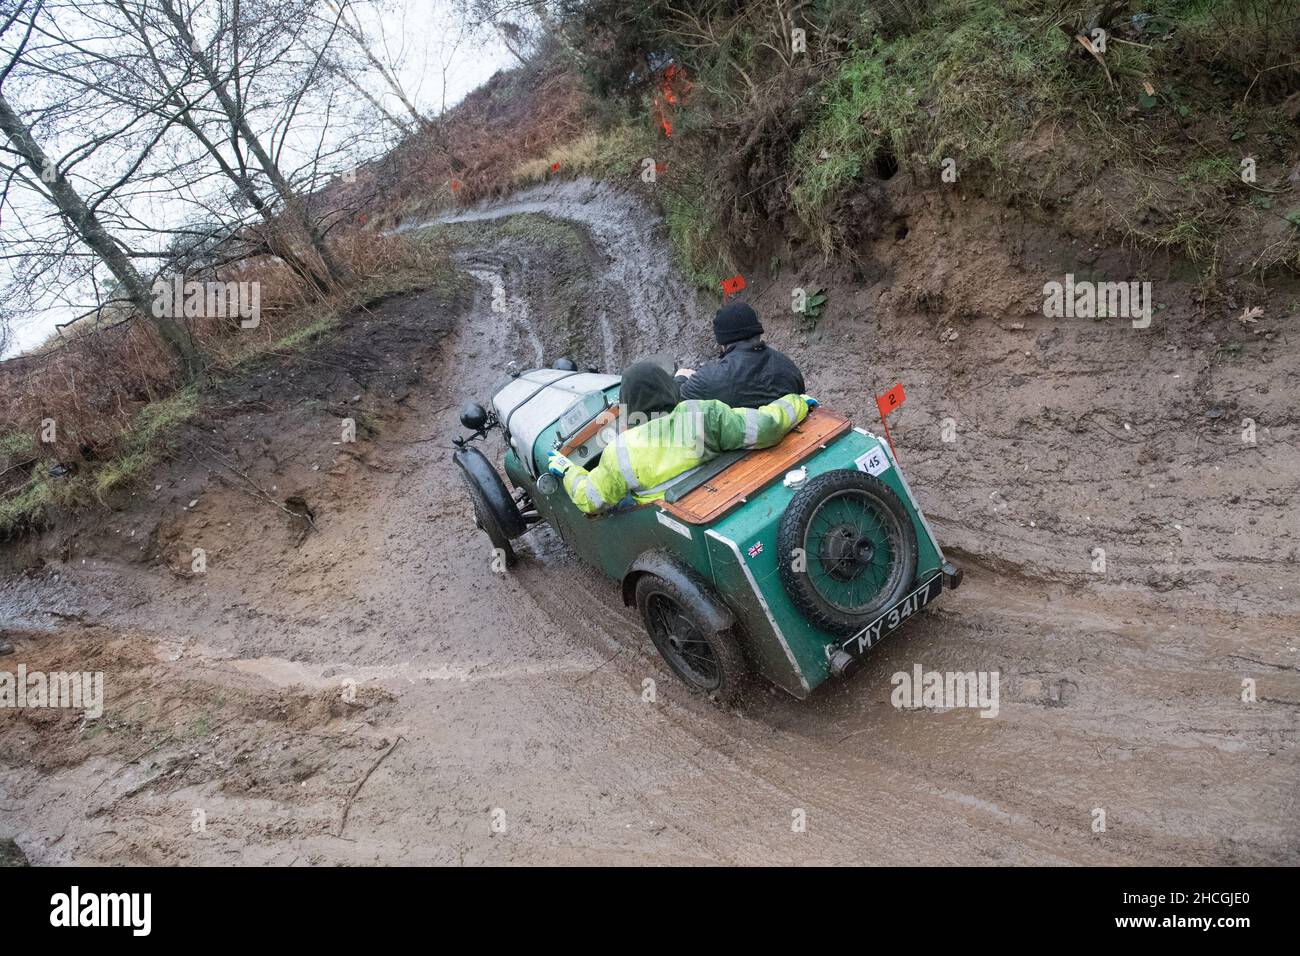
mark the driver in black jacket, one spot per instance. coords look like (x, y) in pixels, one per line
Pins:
(749, 374)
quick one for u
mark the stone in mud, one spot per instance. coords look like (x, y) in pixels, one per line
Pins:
(11, 854)
(1031, 688)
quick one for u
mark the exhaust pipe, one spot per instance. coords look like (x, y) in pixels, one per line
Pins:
(843, 663)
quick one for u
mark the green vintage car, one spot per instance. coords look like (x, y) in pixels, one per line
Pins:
(791, 562)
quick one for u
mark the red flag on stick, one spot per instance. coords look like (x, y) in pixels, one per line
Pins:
(887, 403)
(891, 400)
(733, 285)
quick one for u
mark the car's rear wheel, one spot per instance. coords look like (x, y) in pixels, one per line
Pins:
(848, 550)
(706, 659)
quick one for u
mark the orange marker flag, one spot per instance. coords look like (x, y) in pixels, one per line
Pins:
(662, 116)
(733, 285)
(887, 403)
(891, 400)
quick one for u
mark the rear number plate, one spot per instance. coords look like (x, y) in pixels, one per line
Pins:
(872, 634)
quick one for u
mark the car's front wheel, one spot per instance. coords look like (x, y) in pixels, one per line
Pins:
(495, 512)
(706, 659)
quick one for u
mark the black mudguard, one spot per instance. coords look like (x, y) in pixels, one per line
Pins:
(479, 470)
(664, 565)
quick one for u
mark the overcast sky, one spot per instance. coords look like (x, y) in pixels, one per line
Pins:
(419, 35)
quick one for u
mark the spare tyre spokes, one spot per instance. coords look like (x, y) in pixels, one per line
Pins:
(859, 548)
(850, 540)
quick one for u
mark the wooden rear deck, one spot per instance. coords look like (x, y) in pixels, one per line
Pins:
(719, 494)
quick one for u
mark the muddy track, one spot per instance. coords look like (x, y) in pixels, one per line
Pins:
(519, 698)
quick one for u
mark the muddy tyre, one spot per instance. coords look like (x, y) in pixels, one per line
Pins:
(858, 547)
(495, 512)
(705, 657)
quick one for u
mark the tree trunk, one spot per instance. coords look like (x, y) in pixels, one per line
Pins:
(87, 227)
(505, 39)
(342, 74)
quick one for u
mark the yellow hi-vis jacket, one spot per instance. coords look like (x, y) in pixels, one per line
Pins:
(642, 460)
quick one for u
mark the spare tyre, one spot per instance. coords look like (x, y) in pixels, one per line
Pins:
(848, 550)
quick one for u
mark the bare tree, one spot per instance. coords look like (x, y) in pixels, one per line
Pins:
(345, 75)
(44, 177)
(6, 331)
(146, 60)
(235, 113)
(521, 24)
(387, 72)
(193, 134)
(184, 112)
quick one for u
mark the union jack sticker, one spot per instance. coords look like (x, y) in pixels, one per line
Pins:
(756, 549)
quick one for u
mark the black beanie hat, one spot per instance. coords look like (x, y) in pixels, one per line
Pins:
(735, 323)
(647, 389)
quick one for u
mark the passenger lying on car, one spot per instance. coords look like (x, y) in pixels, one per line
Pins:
(643, 460)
